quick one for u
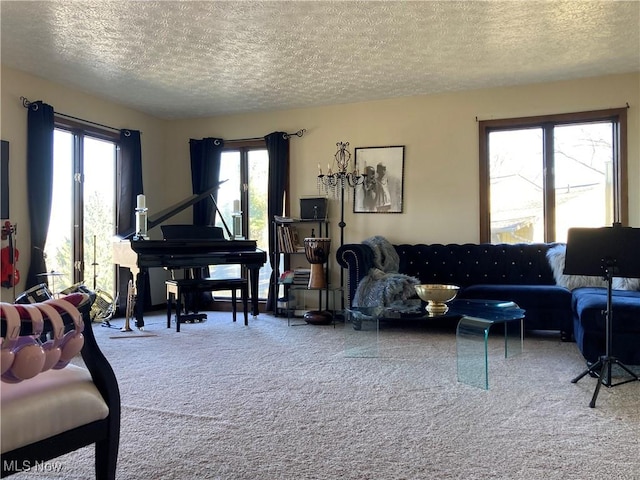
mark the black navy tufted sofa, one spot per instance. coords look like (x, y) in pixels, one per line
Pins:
(520, 273)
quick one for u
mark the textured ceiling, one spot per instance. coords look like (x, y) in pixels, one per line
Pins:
(193, 59)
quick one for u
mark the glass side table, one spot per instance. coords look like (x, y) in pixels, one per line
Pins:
(476, 317)
(472, 342)
(362, 326)
(361, 331)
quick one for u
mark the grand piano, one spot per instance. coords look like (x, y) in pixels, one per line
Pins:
(140, 254)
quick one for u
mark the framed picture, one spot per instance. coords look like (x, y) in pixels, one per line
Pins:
(383, 172)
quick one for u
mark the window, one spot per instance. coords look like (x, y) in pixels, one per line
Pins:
(539, 176)
(245, 167)
(82, 222)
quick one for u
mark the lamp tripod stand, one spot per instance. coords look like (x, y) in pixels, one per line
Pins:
(608, 252)
(602, 369)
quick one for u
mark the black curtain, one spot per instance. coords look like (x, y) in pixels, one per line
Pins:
(278, 149)
(40, 127)
(129, 186)
(129, 177)
(205, 173)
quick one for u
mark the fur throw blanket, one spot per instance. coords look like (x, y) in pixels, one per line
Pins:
(385, 256)
(383, 285)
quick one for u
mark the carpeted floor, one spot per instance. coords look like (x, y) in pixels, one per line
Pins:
(269, 401)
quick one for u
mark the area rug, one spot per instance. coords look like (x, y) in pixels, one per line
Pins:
(221, 400)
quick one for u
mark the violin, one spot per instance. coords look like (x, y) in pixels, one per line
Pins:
(9, 274)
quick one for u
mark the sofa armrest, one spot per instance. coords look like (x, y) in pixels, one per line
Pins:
(358, 259)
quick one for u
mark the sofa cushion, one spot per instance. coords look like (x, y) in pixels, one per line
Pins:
(545, 305)
(526, 296)
(51, 403)
(590, 302)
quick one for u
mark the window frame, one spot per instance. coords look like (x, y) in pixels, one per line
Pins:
(618, 116)
(79, 131)
(243, 147)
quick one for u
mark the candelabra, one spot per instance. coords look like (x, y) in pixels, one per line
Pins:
(335, 182)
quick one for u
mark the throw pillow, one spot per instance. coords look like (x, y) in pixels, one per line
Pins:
(555, 256)
(620, 283)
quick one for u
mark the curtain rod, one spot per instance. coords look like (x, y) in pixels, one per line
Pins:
(26, 104)
(285, 135)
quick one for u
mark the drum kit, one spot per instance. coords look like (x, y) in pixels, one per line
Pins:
(41, 292)
(102, 309)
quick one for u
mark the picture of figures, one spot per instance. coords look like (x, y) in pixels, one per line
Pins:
(382, 169)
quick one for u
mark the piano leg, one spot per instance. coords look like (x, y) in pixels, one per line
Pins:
(141, 284)
(254, 274)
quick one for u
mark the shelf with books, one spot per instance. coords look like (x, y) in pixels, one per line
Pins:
(288, 239)
(289, 234)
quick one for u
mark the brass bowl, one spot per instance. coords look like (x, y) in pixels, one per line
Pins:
(437, 296)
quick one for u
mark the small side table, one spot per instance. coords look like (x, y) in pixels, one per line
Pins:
(361, 331)
(472, 338)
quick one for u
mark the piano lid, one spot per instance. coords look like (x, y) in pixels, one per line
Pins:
(167, 213)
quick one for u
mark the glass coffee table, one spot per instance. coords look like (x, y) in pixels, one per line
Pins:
(475, 319)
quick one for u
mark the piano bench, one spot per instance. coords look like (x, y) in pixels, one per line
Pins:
(176, 289)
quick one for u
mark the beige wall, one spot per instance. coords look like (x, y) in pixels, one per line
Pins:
(439, 132)
(13, 128)
(440, 135)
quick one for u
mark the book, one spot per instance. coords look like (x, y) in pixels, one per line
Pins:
(286, 277)
(280, 219)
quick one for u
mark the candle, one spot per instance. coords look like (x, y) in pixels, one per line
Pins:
(141, 202)
(319, 169)
(236, 205)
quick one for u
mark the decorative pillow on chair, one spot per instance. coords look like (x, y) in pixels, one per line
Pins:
(555, 256)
